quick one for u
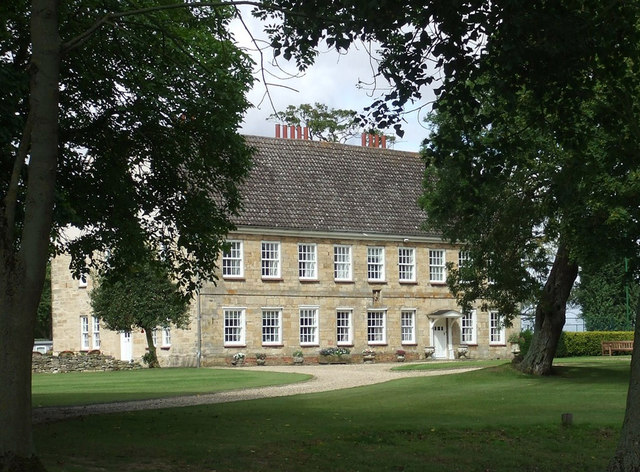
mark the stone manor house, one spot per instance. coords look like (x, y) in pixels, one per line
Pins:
(329, 252)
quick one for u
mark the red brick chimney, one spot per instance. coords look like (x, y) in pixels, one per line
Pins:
(374, 140)
(292, 132)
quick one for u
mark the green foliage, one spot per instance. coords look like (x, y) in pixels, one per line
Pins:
(334, 351)
(324, 123)
(602, 295)
(43, 323)
(141, 296)
(150, 105)
(588, 343)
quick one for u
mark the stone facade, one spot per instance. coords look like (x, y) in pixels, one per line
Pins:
(302, 201)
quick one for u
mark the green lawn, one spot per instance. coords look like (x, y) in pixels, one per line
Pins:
(494, 420)
(81, 388)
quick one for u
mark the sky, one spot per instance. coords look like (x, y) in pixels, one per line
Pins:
(333, 80)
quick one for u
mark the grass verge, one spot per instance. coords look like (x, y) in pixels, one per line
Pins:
(495, 419)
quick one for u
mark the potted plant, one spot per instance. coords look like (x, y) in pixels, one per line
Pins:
(334, 355)
(516, 339)
(298, 357)
(400, 355)
(261, 358)
(368, 356)
(238, 358)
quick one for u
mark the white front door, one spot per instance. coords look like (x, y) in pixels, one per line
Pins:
(126, 351)
(440, 341)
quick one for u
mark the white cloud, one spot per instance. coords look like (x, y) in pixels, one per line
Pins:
(332, 80)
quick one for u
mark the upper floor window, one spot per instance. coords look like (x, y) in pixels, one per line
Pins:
(407, 264)
(270, 257)
(408, 326)
(307, 261)
(437, 266)
(464, 257)
(309, 326)
(232, 260)
(468, 328)
(375, 263)
(342, 262)
(83, 281)
(344, 329)
(496, 328)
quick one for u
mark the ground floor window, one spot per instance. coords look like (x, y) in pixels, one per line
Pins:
(376, 327)
(271, 326)
(468, 328)
(496, 335)
(344, 331)
(84, 333)
(234, 326)
(309, 326)
(408, 326)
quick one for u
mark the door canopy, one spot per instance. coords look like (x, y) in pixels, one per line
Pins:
(440, 314)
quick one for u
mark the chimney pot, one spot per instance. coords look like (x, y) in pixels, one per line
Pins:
(285, 129)
(306, 133)
(384, 142)
(277, 130)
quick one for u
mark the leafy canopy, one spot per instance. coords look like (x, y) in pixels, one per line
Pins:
(149, 154)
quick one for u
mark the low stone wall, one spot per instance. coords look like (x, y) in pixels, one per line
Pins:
(78, 362)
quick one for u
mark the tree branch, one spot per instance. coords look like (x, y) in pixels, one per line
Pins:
(80, 39)
(10, 199)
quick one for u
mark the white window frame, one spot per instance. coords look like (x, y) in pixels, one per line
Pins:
(233, 261)
(83, 281)
(408, 326)
(234, 334)
(496, 328)
(274, 337)
(154, 336)
(307, 261)
(270, 266)
(407, 264)
(437, 267)
(376, 327)
(342, 263)
(468, 328)
(84, 333)
(344, 331)
(308, 323)
(166, 337)
(95, 334)
(375, 264)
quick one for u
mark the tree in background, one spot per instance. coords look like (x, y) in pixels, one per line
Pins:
(43, 323)
(144, 297)
(119, 119)
(324, 123)
(607, 297)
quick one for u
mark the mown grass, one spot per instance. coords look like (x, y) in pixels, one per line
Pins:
(81, 388)
(446, 365)
(495, 419)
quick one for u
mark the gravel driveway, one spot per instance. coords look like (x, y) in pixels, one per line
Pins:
(325, 377)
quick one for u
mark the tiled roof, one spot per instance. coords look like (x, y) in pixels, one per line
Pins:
(328, 187)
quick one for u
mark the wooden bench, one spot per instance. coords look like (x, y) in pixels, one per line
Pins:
(609, 347)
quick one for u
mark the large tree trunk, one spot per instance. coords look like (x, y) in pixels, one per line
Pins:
(23, 256)
(550, 315)
(627, 456)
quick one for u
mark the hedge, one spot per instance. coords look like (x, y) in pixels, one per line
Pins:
(587, 343)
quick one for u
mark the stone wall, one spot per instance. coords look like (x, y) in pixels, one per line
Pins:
(78, 362)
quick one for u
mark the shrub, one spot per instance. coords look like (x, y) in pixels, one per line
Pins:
(570, 344)
(334, 351)
(589, 343)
